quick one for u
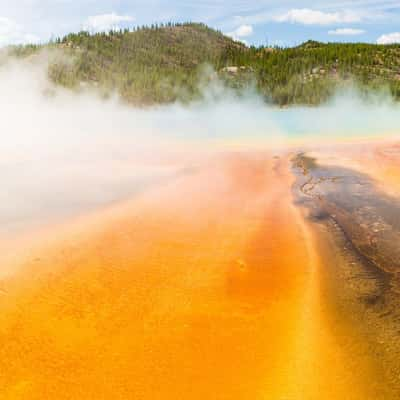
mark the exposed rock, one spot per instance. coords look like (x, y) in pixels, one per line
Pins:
(230, 70)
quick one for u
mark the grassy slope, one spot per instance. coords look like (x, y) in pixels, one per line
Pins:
(161, 64)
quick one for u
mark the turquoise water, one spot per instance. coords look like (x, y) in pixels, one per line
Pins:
(251, 119)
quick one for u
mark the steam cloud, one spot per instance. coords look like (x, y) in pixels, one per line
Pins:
(64, 153)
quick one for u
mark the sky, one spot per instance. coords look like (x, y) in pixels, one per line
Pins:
(258, 22)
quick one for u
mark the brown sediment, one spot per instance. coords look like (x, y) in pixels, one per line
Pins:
(368, 217)
(360, 221)
(209, 288)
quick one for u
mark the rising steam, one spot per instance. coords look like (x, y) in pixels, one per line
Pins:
(64, 153)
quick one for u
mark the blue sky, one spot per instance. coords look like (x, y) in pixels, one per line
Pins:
(284, 22)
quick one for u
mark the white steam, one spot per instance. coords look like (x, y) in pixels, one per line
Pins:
(63, 153)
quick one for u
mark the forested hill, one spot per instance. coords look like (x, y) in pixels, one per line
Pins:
(164, 63)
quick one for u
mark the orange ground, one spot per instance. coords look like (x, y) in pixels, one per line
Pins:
(205, 288)
(385, 167)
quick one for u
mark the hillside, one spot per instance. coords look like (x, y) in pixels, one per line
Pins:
(160, 64)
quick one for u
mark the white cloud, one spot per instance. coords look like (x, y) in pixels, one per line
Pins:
(307, 16)
(389, 38)
(241, 32)
(13, 33)
(244, 30)
(105, 22)
(346, 32)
